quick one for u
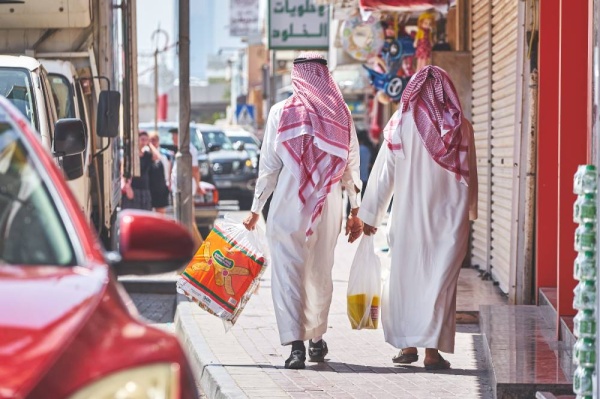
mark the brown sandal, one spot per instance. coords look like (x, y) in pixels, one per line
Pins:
(441, 364)
(405, 358)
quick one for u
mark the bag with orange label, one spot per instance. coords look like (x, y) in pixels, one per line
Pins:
(226, 270)
(364, 286)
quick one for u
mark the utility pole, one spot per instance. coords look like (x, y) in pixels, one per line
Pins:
(184, 196)
(157, 51)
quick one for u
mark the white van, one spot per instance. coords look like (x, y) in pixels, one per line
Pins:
(24, 82)
(70, 103)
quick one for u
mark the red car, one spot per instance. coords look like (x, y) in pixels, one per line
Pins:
(65, 329)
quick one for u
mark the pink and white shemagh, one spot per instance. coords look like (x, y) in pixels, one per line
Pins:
(431, 98)
(315, 130)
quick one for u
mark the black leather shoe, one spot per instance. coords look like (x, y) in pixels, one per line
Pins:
(296, 360)
(318, 351)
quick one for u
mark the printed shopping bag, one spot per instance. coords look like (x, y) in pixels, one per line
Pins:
(364, 286)
(226, 270)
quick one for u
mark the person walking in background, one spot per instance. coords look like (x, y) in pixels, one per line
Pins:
(310, 146)
(159, 181)
(365, 154)
(196, 187)
(428, 164)
(137, 189)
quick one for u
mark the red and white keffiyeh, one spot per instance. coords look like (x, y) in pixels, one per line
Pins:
(315, 130)
(431, 98)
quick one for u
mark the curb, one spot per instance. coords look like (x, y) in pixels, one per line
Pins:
(144, 286)
(215, 382)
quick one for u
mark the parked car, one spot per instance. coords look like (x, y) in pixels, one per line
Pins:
(233, 171)
(251, 143)
(206, 207)
(66, 330)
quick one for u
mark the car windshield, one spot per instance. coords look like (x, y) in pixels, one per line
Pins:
(166, 138)
(31, 230)
(15, 85)
(243, 139)
(62, 91)
(218, 138)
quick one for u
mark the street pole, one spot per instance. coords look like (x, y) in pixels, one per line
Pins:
(233, 88)
(157, 51)
(156, 89)
(272, 88)
(184, 195)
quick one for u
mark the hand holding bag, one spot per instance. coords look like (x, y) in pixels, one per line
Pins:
(364, 286)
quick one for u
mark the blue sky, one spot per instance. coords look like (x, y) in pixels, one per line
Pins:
(154, 13)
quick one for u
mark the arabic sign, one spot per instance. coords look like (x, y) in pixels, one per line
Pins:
(243, 17)
(298, 25)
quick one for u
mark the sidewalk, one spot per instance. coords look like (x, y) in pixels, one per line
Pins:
(248, 360)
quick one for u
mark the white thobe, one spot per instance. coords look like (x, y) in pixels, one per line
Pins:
(301, 268)
(428, 235)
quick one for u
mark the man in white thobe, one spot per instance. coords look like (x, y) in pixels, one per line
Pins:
(309, 148)
(427, 163)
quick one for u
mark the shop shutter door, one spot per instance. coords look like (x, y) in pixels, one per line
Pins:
(481, 109)
(503, 94)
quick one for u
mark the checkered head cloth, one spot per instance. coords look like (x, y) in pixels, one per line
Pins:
(315, 132)
(431, 99)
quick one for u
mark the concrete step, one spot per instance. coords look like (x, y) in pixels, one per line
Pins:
(523, 354)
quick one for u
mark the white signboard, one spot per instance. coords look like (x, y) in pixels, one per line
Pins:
(298, 25)
(243, 17)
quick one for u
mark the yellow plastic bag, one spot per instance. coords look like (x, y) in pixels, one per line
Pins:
(364, 287)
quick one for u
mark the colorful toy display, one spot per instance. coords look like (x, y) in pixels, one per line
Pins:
(390, 72)
(424, 39)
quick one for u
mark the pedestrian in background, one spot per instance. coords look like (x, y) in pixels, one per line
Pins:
(309, 148)
(365, 151)
(428, 164)
(137, 189)
(159, 181)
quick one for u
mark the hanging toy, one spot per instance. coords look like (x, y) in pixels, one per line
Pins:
(362, 39)
(389, 74)
(424, 39)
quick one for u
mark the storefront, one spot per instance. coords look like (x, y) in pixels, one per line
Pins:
(379, 42)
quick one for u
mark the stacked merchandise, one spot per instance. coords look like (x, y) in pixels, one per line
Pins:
(584, 213)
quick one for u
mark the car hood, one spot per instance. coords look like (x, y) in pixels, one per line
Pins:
(44, 307)
(227, 155)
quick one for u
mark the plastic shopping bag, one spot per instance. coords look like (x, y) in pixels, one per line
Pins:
(226, 270)
(364, 286)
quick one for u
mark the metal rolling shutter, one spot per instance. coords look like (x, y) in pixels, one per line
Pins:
(481, 108)
(494, 46)
(504, 89)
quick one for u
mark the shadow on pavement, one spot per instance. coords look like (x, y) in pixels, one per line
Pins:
(337, 367)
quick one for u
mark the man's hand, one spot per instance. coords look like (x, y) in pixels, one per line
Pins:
(368, 229)
(251, 220)
(354, 226)
(200, 190)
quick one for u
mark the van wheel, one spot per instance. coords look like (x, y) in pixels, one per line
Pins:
(245, 203)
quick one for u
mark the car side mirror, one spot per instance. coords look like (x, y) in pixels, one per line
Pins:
(239, 146)
(69, 137)
(150, 243)
(72, 166)
(107, 123)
